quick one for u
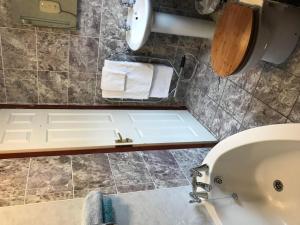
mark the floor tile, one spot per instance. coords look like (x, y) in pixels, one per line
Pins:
(189, 158)
(49, 178)
(136, 187)
(235, 100)
(129, 169)
(278, 89)
(248, 80)
(13, 177)
(295, 113)
(224, 124)
(259, 114)
(92, 172)
(164, 169)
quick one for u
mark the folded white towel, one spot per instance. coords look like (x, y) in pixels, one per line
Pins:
(112, 80)
(161, 81)
(138, 79)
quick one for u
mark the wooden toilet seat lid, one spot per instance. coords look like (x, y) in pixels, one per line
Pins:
(231, 39)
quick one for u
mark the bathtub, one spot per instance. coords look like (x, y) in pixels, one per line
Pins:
(255, 177)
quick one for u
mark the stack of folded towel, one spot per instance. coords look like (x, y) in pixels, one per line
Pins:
(134, 80)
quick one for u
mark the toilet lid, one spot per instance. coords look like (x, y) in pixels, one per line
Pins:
(231, 39)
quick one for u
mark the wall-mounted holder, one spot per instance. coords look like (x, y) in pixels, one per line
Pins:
(46, 13)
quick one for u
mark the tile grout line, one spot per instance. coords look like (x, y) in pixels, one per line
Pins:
(68, 84)
(73, 187)
(148, 170)
(112, 173)
(37, 65)
(27, 179)
(98, 52)
(3, 73)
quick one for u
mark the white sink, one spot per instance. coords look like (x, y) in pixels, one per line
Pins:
(141, 21)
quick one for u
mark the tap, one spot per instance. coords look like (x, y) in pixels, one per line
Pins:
(127, 3)
(125, 26)
(199, 169)
(196, 184)
(200, 195)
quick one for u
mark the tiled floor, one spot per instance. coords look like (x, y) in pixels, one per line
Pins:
(65, 177)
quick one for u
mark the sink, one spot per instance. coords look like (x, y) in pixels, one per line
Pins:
(141, 21)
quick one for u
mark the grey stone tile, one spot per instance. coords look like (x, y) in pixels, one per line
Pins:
(18, 48)
(92, 172)
(113, 17)
(166, 39)
(83, 54)
(50, 175)
(129, 169)
(82, 88)
(215, 85)
(235, 101)
(105, 190)
(190, 42)
(292, 64)
(224, 124)
(98, 95)
(278, 89)
(2, 88)
(13, 176)
(248, 80)
(259, 114)
(44, 195)
(1, 66)
(108, 48)
(21, 86)
(147, 48)
(53, 87)
(136, 187)
(164, 52)
(171, 183)
(89, 18)
(205, 110)
(189, 158)
(53, 51)
(295, 113)
(164, 169)
(204, 53)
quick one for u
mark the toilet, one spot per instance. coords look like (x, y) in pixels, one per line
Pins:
(250, 31)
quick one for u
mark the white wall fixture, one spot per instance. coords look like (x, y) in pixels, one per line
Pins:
(142, 20)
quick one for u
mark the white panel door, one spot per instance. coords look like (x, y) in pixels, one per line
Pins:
(22, 130)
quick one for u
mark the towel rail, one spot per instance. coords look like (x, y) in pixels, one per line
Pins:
(157, 60)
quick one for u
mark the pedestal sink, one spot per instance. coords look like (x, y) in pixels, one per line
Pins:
(141, 21)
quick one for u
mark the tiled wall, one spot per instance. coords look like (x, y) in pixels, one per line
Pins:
(267, 94)
(52, 66)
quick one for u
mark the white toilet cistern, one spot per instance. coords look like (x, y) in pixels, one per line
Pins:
(141, 21)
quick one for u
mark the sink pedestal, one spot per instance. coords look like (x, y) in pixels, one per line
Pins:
(141, 21)
(180, 25)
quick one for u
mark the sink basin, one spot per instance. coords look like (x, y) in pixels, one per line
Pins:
(141, 21)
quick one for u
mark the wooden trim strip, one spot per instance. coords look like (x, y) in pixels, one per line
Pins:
(108, 150)
(119, 107)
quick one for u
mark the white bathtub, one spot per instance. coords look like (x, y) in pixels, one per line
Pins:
(248, 163)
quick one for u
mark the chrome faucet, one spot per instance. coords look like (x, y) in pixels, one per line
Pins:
(197, 170)
(196, 184)
(125, 26)
(127, 3)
